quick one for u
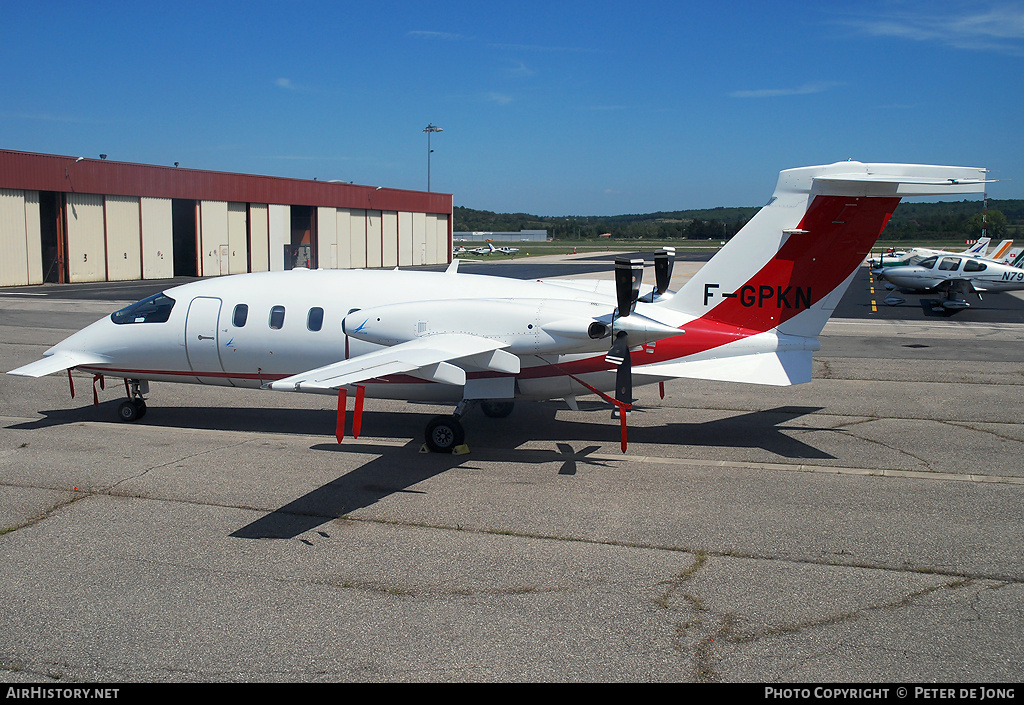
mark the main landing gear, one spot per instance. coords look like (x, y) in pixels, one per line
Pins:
(445, 434)
(134, 408)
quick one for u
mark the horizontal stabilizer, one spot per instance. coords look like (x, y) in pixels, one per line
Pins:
(427, 358)
(777, 369)
(58, 362)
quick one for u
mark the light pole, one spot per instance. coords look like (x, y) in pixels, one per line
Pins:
(428, 129)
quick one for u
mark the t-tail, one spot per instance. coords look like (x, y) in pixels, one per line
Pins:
(979, 248)
(773, 286)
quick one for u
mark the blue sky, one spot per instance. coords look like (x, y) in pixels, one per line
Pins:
(550, 108)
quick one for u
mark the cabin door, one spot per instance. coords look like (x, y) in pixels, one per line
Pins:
(201, 341)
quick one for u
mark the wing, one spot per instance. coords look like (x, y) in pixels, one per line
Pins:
(428, 358)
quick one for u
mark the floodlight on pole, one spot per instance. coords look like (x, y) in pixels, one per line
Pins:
(428, 129)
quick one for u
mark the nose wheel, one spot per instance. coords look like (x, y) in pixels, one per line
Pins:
(133, 408)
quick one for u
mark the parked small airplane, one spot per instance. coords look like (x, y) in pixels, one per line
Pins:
(955, 276)
(503, 250)
(751, 314)
(916, 254)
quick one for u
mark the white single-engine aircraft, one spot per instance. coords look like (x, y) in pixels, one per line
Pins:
(955, 276)
(751, 314)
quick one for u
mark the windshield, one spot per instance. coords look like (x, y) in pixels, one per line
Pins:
(155, 309)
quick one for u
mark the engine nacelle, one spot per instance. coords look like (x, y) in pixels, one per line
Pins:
(527, 327)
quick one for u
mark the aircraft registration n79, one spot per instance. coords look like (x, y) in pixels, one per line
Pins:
(752, 314)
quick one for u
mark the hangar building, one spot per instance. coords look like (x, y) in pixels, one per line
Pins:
(73, 219)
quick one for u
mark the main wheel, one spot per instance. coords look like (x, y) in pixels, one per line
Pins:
(444, 434)
(497, 408)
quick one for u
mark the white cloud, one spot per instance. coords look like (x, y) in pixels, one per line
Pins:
(426, 34)
(998, 28)
(805, 89)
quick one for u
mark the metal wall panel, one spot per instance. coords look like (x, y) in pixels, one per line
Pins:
(280, 234)
(405, 258)
(238, 259)
(157, 238)
(357, 238)
(327, 237)
(213, 228)
(86, 251)
(430, 238)
(442, 250)
(259, 237)
(344, 234)
(13, 242)
(389, 239)
(124, 238)
(33, 236)
(373, 243)
(419, 238)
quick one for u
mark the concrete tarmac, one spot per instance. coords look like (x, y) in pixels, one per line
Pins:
(865, 527)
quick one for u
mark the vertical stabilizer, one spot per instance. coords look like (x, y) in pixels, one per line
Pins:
(789, 266)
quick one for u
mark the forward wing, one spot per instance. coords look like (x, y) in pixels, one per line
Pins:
(427, 358)
(58, 362)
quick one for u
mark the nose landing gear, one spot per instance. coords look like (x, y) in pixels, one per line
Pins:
(134, 408)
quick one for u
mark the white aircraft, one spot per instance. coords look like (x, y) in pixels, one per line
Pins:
(482, 250)
(956, 276)
(503, 250)
(751, 314)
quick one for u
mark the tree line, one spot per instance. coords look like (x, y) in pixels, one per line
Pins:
(911, 221)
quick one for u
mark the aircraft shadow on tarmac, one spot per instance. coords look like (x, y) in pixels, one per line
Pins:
(397, 469)
(393, 471)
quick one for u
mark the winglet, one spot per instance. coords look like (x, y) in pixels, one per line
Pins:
(453, 268)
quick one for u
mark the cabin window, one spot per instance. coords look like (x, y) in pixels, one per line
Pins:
(277, 317)
(240, 315)
(154, 309)
(928, 263)
(315, 319)
(974, 266)
(950, 264)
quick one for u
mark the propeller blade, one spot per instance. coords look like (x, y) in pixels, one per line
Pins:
(619, 356)
(663, 262)
(619, 351)
(628, 275)
(624, 381)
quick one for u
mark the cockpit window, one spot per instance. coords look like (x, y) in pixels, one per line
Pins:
(155, 309)
(928, 263)
(950, 264)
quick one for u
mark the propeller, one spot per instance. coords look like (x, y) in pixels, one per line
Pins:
(628, 276)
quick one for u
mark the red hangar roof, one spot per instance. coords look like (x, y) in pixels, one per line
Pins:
(51, 172)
